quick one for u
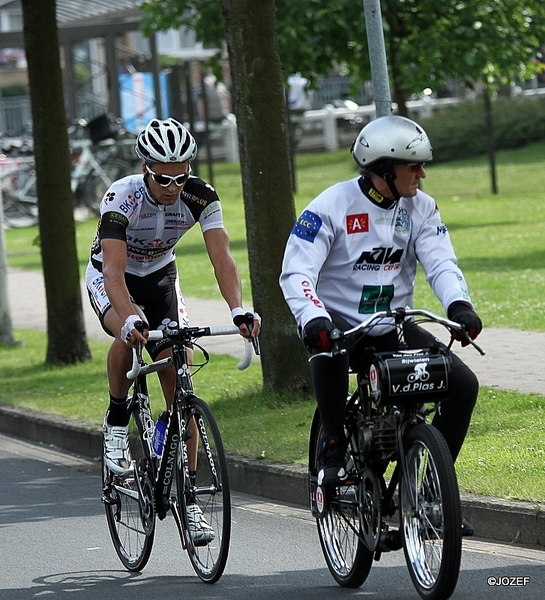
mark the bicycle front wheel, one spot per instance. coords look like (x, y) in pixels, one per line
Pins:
(339, 525)
(431, 516)
(204, 482)
(129, 503)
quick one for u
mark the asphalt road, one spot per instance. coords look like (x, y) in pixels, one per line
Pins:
(55, 544)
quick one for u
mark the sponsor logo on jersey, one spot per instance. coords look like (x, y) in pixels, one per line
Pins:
(441, 229)
(211, 209)
(376, 196)
(357, 223)
(307, 226)
(193, 198)
(375, 297)
(308, 292)
(403, 221)
(376, 259)
(175, 222)
(127, 205)
(116, 217)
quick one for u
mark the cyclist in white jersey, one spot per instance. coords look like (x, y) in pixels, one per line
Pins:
(354, 251)
(132, 278)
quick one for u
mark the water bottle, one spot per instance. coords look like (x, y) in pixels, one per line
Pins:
(160, 432)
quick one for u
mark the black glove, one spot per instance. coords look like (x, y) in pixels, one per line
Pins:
(245, 319)
(461, 312)
(316, 335)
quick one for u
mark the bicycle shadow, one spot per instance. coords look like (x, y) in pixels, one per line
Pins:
(384, 583)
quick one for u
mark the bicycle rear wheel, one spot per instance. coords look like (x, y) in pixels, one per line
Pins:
(96, 184)
(131, 515)
(208, 487)
(431, 516)
(339, 525)
(19, 198)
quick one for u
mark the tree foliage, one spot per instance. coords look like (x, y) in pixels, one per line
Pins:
(427, 41)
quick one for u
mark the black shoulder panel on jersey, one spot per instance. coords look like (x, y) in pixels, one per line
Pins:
(197, 195)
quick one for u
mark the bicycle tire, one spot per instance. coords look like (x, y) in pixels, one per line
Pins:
(339, 525)
(430, 514)
(20, 204)
(131, 518)
(210, 490)
(96, 184)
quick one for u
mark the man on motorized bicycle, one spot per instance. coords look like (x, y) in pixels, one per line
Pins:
(354, 251)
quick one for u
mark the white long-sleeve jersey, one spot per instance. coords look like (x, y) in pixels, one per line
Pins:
(349, 256)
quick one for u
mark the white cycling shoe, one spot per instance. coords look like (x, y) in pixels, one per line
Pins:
(200, 530)
(116, 448)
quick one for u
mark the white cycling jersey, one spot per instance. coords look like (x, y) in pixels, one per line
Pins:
(348, 255)
(151, 230)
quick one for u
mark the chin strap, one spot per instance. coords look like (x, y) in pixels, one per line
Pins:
(387, 173)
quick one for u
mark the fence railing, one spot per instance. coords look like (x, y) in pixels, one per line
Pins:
(318, 129)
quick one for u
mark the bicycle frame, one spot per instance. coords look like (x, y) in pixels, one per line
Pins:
(163, 469)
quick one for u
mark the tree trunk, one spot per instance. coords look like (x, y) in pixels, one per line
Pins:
(262, 123)
(67, 342)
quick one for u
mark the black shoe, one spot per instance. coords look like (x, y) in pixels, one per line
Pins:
(332, 462)
(467, 529)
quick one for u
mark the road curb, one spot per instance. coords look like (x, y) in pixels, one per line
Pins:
(495, 519)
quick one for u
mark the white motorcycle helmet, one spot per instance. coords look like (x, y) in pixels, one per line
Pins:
(387, 141)
(165, 142)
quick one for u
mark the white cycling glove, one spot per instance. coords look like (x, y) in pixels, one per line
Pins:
(126, 330)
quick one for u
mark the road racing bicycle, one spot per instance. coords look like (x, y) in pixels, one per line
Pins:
(159, 484)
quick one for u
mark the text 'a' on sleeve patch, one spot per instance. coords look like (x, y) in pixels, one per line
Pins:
(357, 223)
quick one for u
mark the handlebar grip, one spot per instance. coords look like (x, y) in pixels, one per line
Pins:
(155, 335)
(223, 330)
(248, 353)
(135, 369)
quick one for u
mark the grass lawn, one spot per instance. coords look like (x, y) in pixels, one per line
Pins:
(500, 244)
(504, 453)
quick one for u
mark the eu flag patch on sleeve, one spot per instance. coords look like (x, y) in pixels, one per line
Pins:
(307, 226)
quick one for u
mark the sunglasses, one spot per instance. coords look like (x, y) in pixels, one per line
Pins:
(166, 180)
(416, 166)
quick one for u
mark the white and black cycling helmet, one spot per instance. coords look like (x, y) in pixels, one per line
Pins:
(165, 142)
(387, 141)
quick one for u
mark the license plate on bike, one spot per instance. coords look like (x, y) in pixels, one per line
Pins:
(410, 376)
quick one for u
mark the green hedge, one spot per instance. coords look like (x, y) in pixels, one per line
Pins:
(460, 131)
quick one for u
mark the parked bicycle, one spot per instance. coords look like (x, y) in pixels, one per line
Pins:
(18, 185)
(386, 424)
(191, 469)
(96, 164)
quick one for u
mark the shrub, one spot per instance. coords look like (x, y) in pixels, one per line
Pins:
(460, 131)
